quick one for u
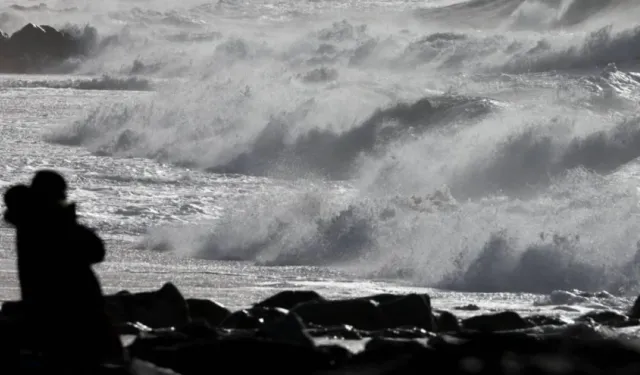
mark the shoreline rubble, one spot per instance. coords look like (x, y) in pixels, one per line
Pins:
(401, 334)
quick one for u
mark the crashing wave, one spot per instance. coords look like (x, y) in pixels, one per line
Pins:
(613, 82)
(534, 158)
(552, 264)
(112, 131)
(305, 232)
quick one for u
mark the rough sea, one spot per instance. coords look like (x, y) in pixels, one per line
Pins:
(483, 151)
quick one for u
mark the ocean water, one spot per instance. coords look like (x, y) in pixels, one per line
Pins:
(482, 151)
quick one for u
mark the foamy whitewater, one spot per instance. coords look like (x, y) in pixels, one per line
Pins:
(483, 151)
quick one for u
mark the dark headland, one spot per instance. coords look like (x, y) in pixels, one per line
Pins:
(42, 48)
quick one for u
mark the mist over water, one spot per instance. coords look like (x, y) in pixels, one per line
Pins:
(488, 145)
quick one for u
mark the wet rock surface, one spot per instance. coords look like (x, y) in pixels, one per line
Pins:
(402, 335)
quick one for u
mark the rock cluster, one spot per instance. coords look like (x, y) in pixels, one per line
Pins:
(401, 334)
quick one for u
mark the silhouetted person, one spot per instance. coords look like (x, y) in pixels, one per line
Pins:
(61, 294)
(19, 212)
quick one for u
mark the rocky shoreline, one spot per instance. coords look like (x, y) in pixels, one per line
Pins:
(300, 332)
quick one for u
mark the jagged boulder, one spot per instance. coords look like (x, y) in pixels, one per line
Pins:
(359, 313)
(502, 321)
(254, 317)
(288, 299)
(206, 310)
(163, 308)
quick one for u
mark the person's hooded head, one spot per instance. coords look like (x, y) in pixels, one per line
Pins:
(49, 186)
(17, 200)
(49, 189)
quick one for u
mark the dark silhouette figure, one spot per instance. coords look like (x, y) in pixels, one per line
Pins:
(64, 309)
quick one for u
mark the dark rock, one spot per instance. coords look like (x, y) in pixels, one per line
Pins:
(544, 320)
(338, 355)
(503, 321)
(583, 331)
(211, 312)
(469, 307)
(165, 307)
(375, 312)
(288, 299)
(289, 328)
(151, 342)
(344, 332)
(198, 329)
(385, 356)
(360, 313)
(274, 340)
(526, 354)
(634, 313)
(382, 298)
(241, 355)
(37, 47)
(447, 322)
(146, 347)
(347, 332)
(142, 367)
(132, 328)
(608, 318)
(412, 310)
(402, 333)
(253, 318)
(36, 40)
(242, 319)
(390, 346)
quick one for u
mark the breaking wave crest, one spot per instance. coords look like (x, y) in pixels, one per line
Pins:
(280, 146)
(494, 245)
(543, 267)
(532, 159)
